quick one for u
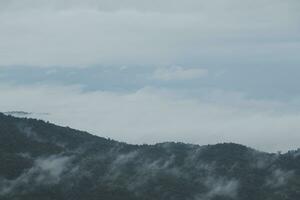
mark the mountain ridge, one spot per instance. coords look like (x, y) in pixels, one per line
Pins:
(40, 160)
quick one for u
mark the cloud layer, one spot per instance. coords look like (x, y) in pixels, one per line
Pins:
(178, 73)
(76, 33)
(152, 115)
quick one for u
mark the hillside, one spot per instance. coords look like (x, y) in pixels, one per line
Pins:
(42, 161)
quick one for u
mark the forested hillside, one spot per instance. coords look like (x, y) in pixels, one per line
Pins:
(42, 161)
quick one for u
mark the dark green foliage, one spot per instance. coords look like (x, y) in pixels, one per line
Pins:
(42, 161)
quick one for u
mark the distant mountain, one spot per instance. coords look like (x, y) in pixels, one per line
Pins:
(42, 161)
(22, 113)
(17, 113)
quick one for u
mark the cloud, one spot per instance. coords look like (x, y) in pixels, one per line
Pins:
(178, 73)
(157, 6)
(131, 32)
(151, 115)
(221, 187)
(46, 170)
(115, 170)
(279, 178)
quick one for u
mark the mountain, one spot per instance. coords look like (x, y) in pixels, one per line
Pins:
(24, 114)
(42, 161)
(17, 113)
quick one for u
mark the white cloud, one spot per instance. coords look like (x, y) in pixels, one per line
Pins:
(178, 73)
(151, 115)
(46, 170)
(279, 178)
(221, 187)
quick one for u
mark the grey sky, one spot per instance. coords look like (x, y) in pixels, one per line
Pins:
(73, 33)
(148, 71)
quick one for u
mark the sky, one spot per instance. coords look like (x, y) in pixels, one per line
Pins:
(195, 71)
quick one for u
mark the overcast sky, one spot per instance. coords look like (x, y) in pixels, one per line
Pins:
(197, 71)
